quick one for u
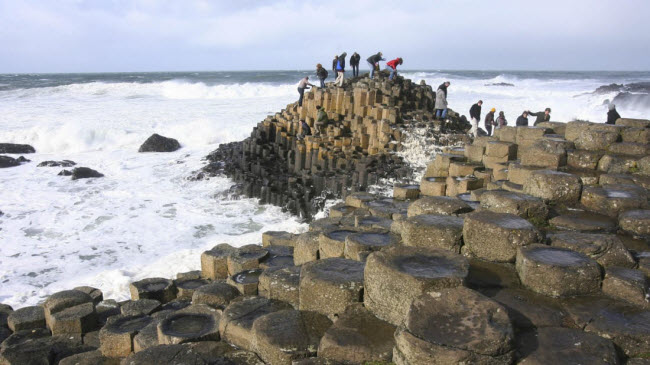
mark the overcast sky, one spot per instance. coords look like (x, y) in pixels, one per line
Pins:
(159, 35)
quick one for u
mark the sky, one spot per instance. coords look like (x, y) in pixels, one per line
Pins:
(38, 36)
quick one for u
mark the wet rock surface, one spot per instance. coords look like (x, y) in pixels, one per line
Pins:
(158, 143)
(16, 148)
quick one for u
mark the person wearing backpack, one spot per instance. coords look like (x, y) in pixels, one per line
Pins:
(340, 69)
(321, 73)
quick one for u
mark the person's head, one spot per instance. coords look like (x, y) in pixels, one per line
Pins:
(547, 111)
(318, 107)
(400, 60)
(480, 102)
(302, 121)
(336, 56)
(501, 114)
(612, 106)
(525, 114)
(319, 66)
(379, 53)
(493, 110)
(306, 77)
(447, 83)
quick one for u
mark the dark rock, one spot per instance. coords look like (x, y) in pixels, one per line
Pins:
(65, 173)
(63, 163)
(160, 289)
(500, 84)
(16, 148)
(200, 353)
(565, 346)
(141, 306)
(116, 336)
(6, 161)
(84, 173)
(26, 318)
(281, 283)
(187, 327)
(63, 300)
(246, 281)
(158, 143)
(217, 295)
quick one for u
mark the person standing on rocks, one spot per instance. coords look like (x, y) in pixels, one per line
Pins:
(335, 61)
(441, 100)
(489, 121)
(354, 62)
(392, 66)
(321, 120)
(522, 121)
(321, 73)
(306, 130)
(544, 116)
(373, 61)
(302, 85)
(475, 115)
(340, 69)
(501, 120)
(612, 114)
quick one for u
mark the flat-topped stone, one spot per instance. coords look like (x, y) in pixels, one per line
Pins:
(187, 327)
(433, 231)
(281, 283)
(214, 262)
(455, 325)
(406, 191)
(553, 186)
(438, 205)
(555, 345)
(247, 257)
(496, 236)
(286, 335)
(583, 159)
(583, 221)
(278, 238)
(76, 320)
(371, 223)
(611, 200)
(94, 293)
(160, 289)
(396, 275)
(606, 249)
(386, 207)
(630, 122)
(528, 310)
(186, 287)
(140, 306)
(26, 318)
(523, 205)
(627, 285)
(217, 295)
(327, 286)
(245, 281)
(62, 300)
(357, 199)
(636, 222)
(116, 336)
(237, 319)
(332, 242)
(433, 186)
(557, 272)
(359, 245)
(306, 248)
(358, 336)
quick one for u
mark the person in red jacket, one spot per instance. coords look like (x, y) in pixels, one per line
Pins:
(392, 66)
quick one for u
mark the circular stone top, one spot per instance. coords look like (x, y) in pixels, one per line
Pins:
(187, 325)
(247, 276)
(191, 283)
(504, 220)
(437, 220)
(251, 252)
(429, 267)
(127, 324)
(371, 239)
(335, 270)
(152, 284)
(554, 256)
(338, 234)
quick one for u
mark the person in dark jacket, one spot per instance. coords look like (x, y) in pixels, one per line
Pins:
(335, 62)
(612, 114)
(501, 120)
(340, 69)
(544, 116)
(522, 121)
(306, 131)
(392, 66)
(373, 61)
(354, 62)
(475, 117)
(302, 85)
(321, 120)
(321, 73)
(489, 121)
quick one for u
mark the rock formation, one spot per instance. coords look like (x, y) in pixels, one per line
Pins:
(158, 143)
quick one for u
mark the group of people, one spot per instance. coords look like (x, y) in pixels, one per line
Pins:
(500, 121)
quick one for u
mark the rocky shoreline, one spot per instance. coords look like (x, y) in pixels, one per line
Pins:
(529, 247)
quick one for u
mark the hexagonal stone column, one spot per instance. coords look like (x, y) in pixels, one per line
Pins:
(281, 283)
(433, 186)
(216, 295)
(160, 289)
(116, 337)
(286, 335)
(237, 319)
(557, 272)
(79, 319)
(246, 281)
(406, 191)
(628, 285)
(359, 245)
(636, 222)
(366, 338)
(327, 286)
(611, 200)
(523, 205)
(445, 205)
(396, 275)
(433, 231)
(455, 326)
(331, 243)
(247, 257)
(496, 236)
(26, 318)
(556, 345)
(607, 249)
(554, 186)
(214, 262)
(278, 238)
(306, 248)
(187, 327)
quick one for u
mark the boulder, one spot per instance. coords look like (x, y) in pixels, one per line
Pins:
(116, 337)
(358, 199)
(26, 318)
(214, 262)
(160, 289)
(445, 205)
(359, 245)
(6, 161)
(158, 143)
(523, 205)
(606, 249)
(84, 173)
(358, 337)
(582, 159)
(94, 293)
(279, 256)
(627, 285)
(556, 345)
(617, 164)
(16, 148)
(237, 319)
(396, 275)
(554, 186)
(370, 223)
(286, 335)
(38, 347)
(454, 326)
(597, 137)
(433, 231)
(64, 163)
(496, 236)
(611, 200)
(281, 283)
(217, 295)
(327, 286)
(557, 272)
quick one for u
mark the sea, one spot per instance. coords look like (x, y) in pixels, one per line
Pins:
(145, 218)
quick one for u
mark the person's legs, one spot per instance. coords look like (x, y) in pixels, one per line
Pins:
(444, 113)
(322, 83)
(489, 130)
(340, 77)
(301, 91)
(438, 112)
(474, 129)
(372, 70)
(392, 73)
